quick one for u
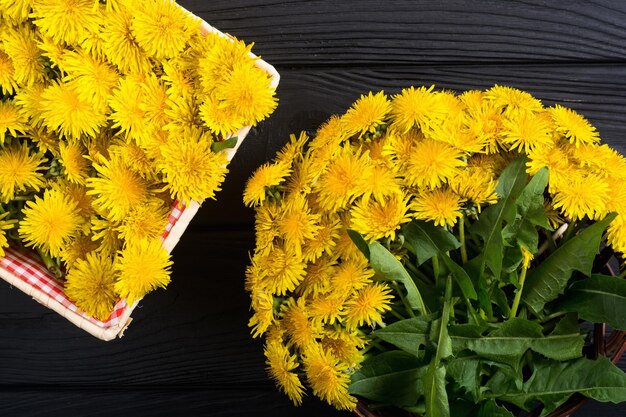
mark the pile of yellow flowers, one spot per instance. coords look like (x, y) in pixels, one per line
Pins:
(420, 154)
(111, 111)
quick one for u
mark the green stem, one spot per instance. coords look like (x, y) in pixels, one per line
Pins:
(462, 239)
(554, 316)
(407, 306)
(425, 278)
(436, 269)
(518, 294)
(445, 316)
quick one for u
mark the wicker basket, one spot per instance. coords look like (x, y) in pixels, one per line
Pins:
(25, 272)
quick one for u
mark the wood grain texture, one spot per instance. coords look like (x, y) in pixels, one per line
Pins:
(388, 32)
(188, 351)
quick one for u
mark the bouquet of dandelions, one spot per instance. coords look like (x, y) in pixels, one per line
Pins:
(438, 253)
(110, 113)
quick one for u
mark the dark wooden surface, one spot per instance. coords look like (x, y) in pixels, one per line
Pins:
(188, 351)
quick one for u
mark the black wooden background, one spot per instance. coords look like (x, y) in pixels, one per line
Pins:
(188, 351)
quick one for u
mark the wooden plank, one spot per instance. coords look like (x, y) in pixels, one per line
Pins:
(308, 97)
(422, 32)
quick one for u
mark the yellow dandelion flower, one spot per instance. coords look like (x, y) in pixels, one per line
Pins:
(179, 81)
(119, 44)
(21, 46)
(127, 113)
(600, 159)
(266, 226)
(44, 140)
(190, 169)
(77, 249)
(93, 43)
(326, 308)
(106, 235)
(143, 266)
(330, 133)
(526, 131)
(441, 206)
(400, 147)
(367, 113)
(282, 270)
(302, 178)
(573, 126)
(155, 102)
(64, 110)
(616, 234)
(222, 120)
(616, 195)
(162, 28)
(135, 157)
(432, 163)
(297, 224)
(344, 180)
(246, 89)
(527, 257)
(50, 222)
(367, 305)
(90, 284)
(553, 216)
(295, 320)
(476, 185)
(7, 72)
(262, 304)
(328, 378)
(317, 277)
(345, 248)
(145, 221)
(218, 56)
(292, 152)
(65, 20)
(512, 100)
(72, 158)
(19, 171)
(377, 219)
(581, 196)
(454, 131)
(11, 121)
(91, 78)
(78, 193)
(116, 189)
(557, 161)
(419, 107)
(5, 224)
(29, 101)
(383, 182)
(52, 50)
(324, 240)
(15, 10)
(280, 366)
(351, 275)
(263, 179)
(484, 120)
(343, 344)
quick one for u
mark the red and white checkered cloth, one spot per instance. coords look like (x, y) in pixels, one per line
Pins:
(28, 268)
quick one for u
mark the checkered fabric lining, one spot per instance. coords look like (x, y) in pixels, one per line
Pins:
(28, 268)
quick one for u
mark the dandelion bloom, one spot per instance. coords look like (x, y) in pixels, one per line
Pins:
(417, 107)
(142, 266)
(91, 284)
(573, 126)
(5, 224)
(72, 157)
(19, 171)
(441, 206)
(190, 169)
(432, 163)
(280, 365)
(11, 121)
(367, 305)
(377, 219)
(366, 114)
(327, 377)
(263, 178)
(65, 20)
(301, 331)
(51, 222)
(581, 196)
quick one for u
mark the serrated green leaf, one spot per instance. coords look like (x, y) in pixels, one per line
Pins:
(598, 299)
(489, 224)
(435, 392)
(427, 240)
(388, 267)
(394, 378)
(408, 334)
(225, 144)
(530, 213)
(466, 372)
(552, 383)
(492, 409)
(550, 278)
(513, 338)
(460, 276)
